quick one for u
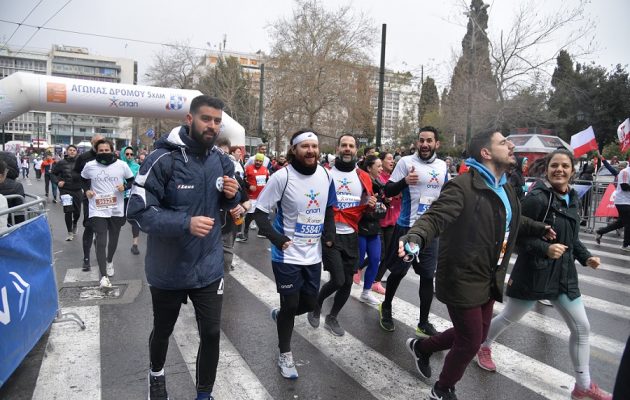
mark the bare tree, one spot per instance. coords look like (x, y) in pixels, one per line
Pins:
(520, 55)
(314, 57)
(176, 66)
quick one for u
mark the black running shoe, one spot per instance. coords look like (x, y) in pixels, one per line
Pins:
(385, 318)
(134, 249)
(157, 387)
(86, 265)
(426, 329)
(313, 318)
(422, 359)
(439, 394)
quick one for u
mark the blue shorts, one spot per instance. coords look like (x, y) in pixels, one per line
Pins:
(292, 278)
(428, 257)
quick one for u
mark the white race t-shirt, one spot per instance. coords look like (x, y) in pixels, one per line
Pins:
(108, 202)
(416, 199)
(300, 202)
(349, 193)
(621, 196)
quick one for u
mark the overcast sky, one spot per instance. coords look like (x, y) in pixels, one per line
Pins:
(419, 32)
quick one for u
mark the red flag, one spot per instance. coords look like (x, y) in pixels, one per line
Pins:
(583, 142)
(607, 207)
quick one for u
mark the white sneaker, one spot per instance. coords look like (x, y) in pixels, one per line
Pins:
(105, 283)
(626, 248)
(110, 268)
(69, 237)
(253, 225)
(286, 365)
(366, 297)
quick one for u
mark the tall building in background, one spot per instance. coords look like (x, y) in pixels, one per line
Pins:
(76, 63)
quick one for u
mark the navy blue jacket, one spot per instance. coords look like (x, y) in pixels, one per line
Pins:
(177, 181)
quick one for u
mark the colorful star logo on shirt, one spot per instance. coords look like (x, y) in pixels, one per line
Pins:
(313, 198)
(434, 177)
(344, 184)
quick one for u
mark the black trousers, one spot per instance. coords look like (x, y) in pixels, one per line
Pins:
(207, 302)
(72, 212)
(107, 231)
(622, 222)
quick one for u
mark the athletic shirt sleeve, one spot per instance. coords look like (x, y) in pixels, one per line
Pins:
(400, 172)
(272, 192)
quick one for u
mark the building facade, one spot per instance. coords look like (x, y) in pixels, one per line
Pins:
(70, 62)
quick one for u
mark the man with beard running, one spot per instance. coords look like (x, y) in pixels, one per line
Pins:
(419, 177)
(88, 233)
(303, 197)
(69, 183)
(477, 217)
(353, 188)
(177, 197)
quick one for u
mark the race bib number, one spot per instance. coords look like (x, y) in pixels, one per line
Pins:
(347, 201)
(425, 203)
(261, 180)
(503, 248)
(105, 201)
(308, 229)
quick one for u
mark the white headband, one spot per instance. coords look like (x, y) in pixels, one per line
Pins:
(304, 136)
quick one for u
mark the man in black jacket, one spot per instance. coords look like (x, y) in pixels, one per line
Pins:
(11, 185)
(88, 233)
(69, 182)
(477, 217)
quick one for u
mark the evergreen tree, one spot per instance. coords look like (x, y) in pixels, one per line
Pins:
(429, 102)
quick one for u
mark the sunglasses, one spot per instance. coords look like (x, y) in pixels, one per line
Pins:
(129, 154)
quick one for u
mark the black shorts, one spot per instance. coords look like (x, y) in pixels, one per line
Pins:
(427, 263)
(343, 256)
(101, 224)
(292, 278)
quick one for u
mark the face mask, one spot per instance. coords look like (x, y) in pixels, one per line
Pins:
(105, 158)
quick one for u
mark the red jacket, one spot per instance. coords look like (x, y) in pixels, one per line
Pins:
(352, 215)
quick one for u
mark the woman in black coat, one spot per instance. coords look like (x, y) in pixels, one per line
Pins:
(546, 270)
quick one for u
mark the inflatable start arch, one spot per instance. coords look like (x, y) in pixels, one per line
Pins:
(22, 92)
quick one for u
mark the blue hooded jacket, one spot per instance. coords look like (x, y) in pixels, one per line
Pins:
(177, 181)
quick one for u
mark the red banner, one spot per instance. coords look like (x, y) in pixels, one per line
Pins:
(607, 207)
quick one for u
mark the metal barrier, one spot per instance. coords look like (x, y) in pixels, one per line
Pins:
(594, 196)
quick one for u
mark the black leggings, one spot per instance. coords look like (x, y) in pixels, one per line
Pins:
(207, 302)
(386, 240)
(88, 232)
(622, 222)
(72, 213)
(291, 305)
(135, 229)
(425, 292)
(104, 227)
(249, 217)
(341, 262)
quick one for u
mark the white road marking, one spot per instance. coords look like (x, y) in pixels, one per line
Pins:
(235, 380)
(71, 368)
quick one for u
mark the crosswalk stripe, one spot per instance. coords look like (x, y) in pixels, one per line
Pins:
(601, 305)
(597, 250)
(71, 368)
(235, 380)
(349, 353)
(602, 267)
(524, 370)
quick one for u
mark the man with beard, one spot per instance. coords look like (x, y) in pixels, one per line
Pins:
(477, 217)
(353, 188)
(419, 177)
(88, 233)
(69, 182)
(304, 196)
(176, 199)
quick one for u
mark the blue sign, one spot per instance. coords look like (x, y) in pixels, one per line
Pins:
(150, 133)
(28, 293)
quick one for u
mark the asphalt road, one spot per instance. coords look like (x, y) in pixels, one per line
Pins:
(109, 360)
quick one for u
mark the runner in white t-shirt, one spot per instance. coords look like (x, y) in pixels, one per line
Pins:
(105, 180)
(302, 196)
(419, 177)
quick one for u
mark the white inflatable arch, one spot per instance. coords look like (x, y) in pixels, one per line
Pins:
(21, 92)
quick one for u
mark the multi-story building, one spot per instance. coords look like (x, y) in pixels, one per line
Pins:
(69, 62)
(401, 97)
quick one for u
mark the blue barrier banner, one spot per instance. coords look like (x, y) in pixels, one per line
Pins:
(28, 293)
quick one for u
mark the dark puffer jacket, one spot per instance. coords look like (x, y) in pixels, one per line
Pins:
(64, 171)
(536, 276)
(177, 181)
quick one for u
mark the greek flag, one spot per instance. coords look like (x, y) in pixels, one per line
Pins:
(150, 133)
